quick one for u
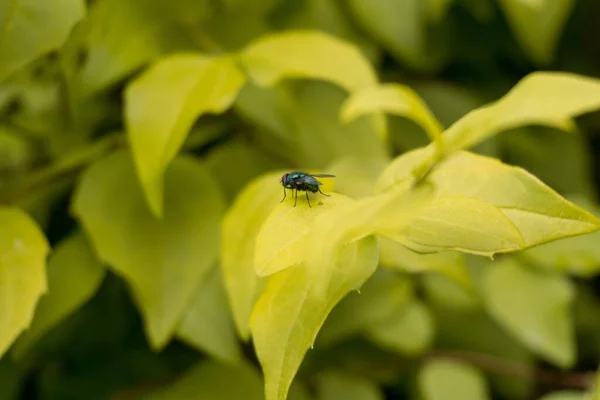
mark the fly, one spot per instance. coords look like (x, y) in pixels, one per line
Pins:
(304, 182)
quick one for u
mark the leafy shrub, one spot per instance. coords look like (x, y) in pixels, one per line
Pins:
(146, 251)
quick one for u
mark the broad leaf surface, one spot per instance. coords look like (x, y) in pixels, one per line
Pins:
(241, 225)
(534, 307)
(538, 25)
(282, 239)
(23, 251)
(31, 28)
(449, 380)
(538, 213)
(163, 103)
(408, 331)
(163, 260)
(74, 276)
(207, 323)
(292, 309)
(301, 54)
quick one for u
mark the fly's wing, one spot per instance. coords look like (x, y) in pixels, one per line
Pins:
(310, 178)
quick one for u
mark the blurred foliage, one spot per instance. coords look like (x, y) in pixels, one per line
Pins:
(146, 251)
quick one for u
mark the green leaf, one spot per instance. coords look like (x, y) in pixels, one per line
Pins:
(300, 54)
(237, 162)
(408, 331)
(302, 123)
(124, 35)
(564, 395)
(241, 225)
(214, 381)
(74, 276)
(292, 309)
(538, 25)
(446, 379)
(400, 28)
(397, 100)
(23, 250)
(448, 263)
(537, 150)
(30, 29)
(11, 380)
(378, 299)
(333, 385)
(579, 255)
(163, 103)
(541, 98)
(207, 323)
(534, 307)
(538, 213)
(163, 260)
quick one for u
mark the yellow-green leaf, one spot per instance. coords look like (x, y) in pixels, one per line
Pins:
(31, 28)
(207, 323)
(23, 251)
(397, 100)
(579, 255)
(333, 385)
(162, 104)
(534, 307)
(378, 299)
(541, 98)
(74, 275)
(241, 225)
(539, 214)
(460, 223)
(408, 331)
(307, 54)
(538, 25)
(450, 380)
(163, 260)
(281, 241)
(290, 312)
(449, 263)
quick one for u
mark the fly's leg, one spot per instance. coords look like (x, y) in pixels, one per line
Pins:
(307, 199)
(295, 198)
(284, 195)
(323, 193)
